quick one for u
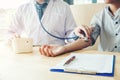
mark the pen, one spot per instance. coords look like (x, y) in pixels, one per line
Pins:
(69, 60)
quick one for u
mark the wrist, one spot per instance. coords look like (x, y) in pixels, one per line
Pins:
(65, 49)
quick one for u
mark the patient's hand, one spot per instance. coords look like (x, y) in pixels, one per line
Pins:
(51, 51)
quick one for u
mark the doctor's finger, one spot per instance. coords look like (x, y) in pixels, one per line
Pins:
(78, 31)
(92, 28)
(16, 35)
(87, 31)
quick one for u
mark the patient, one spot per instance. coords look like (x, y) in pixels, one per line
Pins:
(105, 24)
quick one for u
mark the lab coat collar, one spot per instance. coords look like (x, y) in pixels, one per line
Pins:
(48, 9)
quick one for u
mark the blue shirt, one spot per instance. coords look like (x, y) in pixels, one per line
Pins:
(41, 8)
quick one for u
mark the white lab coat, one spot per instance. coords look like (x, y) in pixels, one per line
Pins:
(57, 19)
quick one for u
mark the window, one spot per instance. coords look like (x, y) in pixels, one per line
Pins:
(83, 1)
(87, 1)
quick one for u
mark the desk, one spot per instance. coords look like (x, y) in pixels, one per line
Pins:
(33, 66)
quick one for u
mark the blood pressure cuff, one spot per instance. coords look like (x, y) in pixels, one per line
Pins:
(95, 34)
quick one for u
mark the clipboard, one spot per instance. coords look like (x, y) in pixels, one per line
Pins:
(60, 67)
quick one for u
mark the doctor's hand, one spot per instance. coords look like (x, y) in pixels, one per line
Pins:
(15, 35)
(51, 51)
(83, 31)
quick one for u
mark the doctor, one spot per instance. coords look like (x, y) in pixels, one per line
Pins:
(54, 15)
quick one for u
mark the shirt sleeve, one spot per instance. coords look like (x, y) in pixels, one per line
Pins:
(95, 23)
(16, 25)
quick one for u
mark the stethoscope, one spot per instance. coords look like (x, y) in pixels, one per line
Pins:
(61, 38)
(75, 37)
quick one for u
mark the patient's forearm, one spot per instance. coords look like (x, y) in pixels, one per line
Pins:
(77, 45)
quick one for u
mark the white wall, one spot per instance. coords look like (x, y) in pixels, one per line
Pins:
(11, 3)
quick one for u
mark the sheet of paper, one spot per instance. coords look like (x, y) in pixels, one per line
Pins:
(99, 63)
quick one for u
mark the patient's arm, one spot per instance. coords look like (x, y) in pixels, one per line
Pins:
(58, 50)
(77, 45)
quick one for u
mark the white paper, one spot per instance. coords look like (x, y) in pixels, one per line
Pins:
(99, 63)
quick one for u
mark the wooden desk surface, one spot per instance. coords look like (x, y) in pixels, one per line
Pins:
(33, 66)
